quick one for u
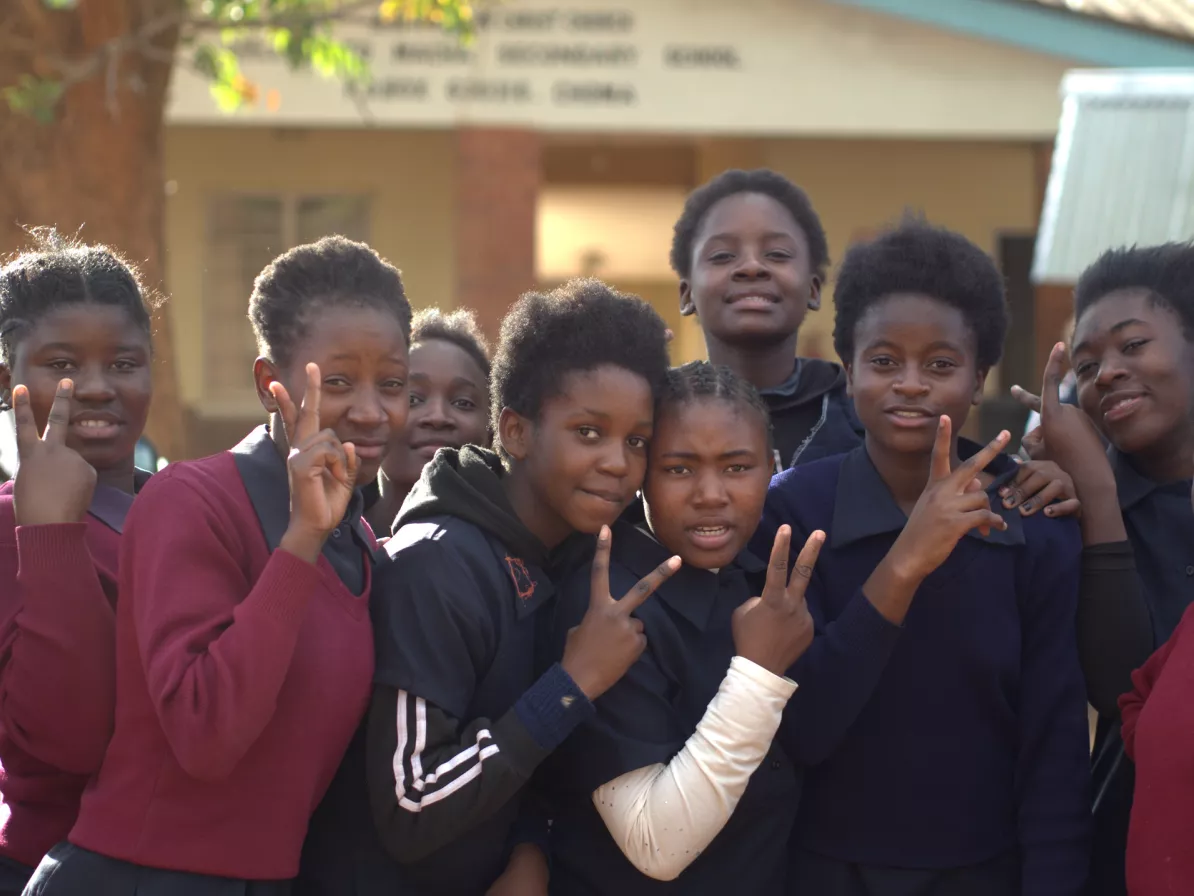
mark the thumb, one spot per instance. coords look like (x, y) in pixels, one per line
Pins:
(747, 606)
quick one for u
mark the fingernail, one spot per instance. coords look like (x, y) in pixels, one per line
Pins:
(1004, 491)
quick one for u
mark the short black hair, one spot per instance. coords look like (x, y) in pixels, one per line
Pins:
(917, 257)
(579, 326)
(1165, 272)
(698, 380)
(733, 183)
(59, 271)
(333, 272)
(458, 327)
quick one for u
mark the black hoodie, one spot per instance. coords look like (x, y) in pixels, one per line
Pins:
(460, 719)
(811, 414)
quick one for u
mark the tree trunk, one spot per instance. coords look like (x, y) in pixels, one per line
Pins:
(97, 168)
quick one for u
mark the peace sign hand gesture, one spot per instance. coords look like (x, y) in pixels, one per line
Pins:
(54, 484)
(774, 630)
(609, 640)
(1066, 435)
(323, 471)
(953, 503)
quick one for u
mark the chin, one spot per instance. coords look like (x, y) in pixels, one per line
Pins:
(367, 471)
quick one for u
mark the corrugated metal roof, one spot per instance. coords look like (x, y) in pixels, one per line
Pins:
(1175, 17)
(1122, 171)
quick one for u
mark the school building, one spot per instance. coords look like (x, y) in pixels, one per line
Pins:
(563, 140)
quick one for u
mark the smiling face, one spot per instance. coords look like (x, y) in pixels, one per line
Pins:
(107, 355)
(751, 281)
(914, 360)
(1134, 364)
(707, 479)
(362, 358)
(584, 455)
(449, 407)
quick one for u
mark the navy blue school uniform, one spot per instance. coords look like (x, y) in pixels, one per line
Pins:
(811, 415)
(463, 712)
(1160, 525)
(956, 741)
(647, 717)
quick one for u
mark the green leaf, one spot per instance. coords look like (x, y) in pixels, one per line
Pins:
(35, 97)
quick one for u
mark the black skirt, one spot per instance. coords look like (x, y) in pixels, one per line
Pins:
(69, 870)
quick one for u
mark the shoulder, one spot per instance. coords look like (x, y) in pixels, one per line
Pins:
(810, 487)
(8, 522)
(442, 539)
(202, 481)
(441, 559)
(1052, 540)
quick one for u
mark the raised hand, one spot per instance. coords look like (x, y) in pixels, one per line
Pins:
(1066, 435)
(1040, 483)
(609, 640)
(322, 471)
(54, 484)
(775, 629)
(952, 504)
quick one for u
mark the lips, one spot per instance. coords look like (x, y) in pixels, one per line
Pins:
(96, 425)
(1119, 405)
(609, 497)
(711, 536)
(368, 449)
(752, 301)
(427, 449)
(909, 416)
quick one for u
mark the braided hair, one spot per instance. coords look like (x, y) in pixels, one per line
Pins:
(702, 381)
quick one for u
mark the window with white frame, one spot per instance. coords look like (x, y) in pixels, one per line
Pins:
(244, 233)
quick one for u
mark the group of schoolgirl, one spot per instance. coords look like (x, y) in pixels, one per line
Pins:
(602, 650)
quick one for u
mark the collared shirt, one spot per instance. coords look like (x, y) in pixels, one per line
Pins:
(268, 484)
(963, 737)
(648, 716)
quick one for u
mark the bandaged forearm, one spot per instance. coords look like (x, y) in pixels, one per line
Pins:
(663, 816)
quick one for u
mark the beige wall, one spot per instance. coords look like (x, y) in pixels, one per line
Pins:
(409, 175)
(980, 189)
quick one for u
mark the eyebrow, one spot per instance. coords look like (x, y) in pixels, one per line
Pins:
(725, 455)
(1114, 329)
(456, 380)
(773, 235)
(933, 346)
(71, 346)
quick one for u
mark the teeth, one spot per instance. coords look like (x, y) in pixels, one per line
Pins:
(93, 424)
(908, 414)
(709, 530)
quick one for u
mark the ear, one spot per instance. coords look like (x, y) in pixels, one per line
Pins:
(5, 387)
(687, 307)
(515, 433)
(814, 294)
(849, 379)
(980, 381)
(264, 373)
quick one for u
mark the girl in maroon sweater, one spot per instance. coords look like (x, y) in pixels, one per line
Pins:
(74, 334)
(244, 651)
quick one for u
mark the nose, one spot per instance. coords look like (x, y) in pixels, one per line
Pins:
(709, 491)
(434, 414)
(1111, 368)
(910, 383)
(750, 266)
(366, 410)
(92, 384)
(615, 460)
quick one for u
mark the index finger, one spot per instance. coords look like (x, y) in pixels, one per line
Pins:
(308, 416)
(1026, 398)
(939, 467)
(804, 564)
(599, 577)
(634, 598)
(976, 464)
(1051, 387)
(22, 412)
(777, 568)
(286, 409)
(59, 420)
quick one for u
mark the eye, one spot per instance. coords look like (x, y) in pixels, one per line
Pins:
(416, 399)
(721, 257)
(125, 365)
(779, 254)
(738, 468)
(336, 382)
(394, 385)
(678, 470)
(637, 442)
(1134, 345)
(1086, 368)
(588, 433)
(882, 361)
(464, 404)
(60, 364)
(942, 364)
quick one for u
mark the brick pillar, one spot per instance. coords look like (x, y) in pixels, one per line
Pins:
(497, 191)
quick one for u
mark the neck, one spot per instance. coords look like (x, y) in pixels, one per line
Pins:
(121, 477)
(905, 474)
(381, 515)
(277, 432)
(1170, 460)
(764, 367)
(548, 527)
